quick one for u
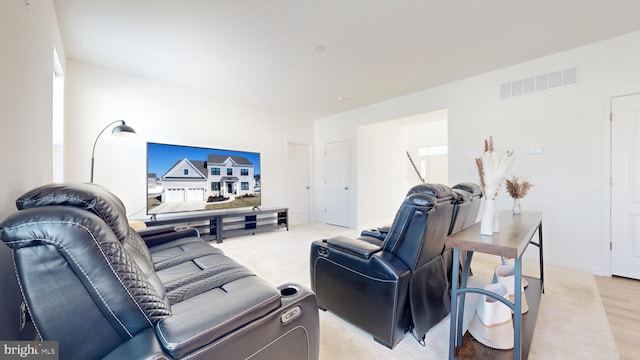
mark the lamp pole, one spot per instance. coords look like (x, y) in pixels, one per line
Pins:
(120, 129)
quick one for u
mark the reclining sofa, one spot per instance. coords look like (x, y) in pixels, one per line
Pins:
(101, 290)
(400, 282)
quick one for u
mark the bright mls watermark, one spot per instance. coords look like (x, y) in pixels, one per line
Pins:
(32, 350)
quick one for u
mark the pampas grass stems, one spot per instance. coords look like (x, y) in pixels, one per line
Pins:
(492, 168)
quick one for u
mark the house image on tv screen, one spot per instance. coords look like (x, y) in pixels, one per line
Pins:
(219, 178)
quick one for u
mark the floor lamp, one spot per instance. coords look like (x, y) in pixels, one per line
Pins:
(120, 130)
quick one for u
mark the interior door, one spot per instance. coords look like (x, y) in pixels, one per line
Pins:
(337, 183)
(298, 183)
(625, 188)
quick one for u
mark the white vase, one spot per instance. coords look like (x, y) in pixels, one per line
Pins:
(489, 222)
(517, 209)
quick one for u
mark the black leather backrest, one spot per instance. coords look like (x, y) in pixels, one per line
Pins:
(90, 197)
(408, 225)
(460, 210)
(81, 286)
(93, 198)
(73, 253)
(439, 221)
(421, 225)
(475, 194)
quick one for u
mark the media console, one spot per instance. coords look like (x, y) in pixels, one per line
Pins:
(224, 224)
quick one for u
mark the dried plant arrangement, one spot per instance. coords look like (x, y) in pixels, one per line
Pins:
(517, 188)
(492, 168)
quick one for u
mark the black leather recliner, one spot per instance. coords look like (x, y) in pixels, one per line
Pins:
(465, 213)
(95, 286)
(475, 194)
(401, 284)
(471, 194)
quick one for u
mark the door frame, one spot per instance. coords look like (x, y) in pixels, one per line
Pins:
(607, 174)
(310, 202)
(351, 216)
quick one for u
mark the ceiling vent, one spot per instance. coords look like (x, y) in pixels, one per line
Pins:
(551, 80)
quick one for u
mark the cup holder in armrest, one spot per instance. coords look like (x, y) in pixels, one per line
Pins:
(292, 293)
(299, 306)
(289, 290)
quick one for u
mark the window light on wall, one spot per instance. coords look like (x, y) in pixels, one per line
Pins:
(433, 150)
(57, 119)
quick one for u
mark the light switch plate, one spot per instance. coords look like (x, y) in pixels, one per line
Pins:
(536, 150)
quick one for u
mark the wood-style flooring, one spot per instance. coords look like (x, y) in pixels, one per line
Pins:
(621, 299)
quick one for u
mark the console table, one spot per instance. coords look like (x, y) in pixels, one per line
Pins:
(223, 224)
(516, 233)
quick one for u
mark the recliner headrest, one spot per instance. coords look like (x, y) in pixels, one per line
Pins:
(462, 196)
(440, 191)
(472, 188)
(91, 197)
(421, 200)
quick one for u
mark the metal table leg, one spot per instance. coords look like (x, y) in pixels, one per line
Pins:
(454, 304)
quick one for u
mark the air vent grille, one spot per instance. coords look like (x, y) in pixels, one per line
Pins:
(551, 80)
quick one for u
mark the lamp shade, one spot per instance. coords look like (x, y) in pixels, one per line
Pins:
(123, 130)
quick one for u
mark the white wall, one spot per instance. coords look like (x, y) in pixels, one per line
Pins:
(167, 114)
(570, 123)
(381, 157)
(27, 36)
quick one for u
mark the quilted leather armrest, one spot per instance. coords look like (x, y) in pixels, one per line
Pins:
(355, 247)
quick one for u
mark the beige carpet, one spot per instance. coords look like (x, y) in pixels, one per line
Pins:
(572, 323)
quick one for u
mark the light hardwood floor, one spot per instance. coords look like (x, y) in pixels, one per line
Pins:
(621, 299)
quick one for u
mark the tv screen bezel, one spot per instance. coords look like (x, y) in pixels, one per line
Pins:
(173, 156)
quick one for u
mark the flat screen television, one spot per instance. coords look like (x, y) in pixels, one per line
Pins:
(188, 178)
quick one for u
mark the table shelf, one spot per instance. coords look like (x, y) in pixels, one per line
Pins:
(472, 349)
(516, 233)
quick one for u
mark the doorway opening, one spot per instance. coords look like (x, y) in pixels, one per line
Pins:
(624, 192)
(395, 155)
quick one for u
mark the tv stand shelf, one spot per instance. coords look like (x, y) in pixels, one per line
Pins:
(224, 224)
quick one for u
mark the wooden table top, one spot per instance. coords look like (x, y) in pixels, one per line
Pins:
(515, 233)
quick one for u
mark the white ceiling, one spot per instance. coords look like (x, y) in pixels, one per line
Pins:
(261, 51)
